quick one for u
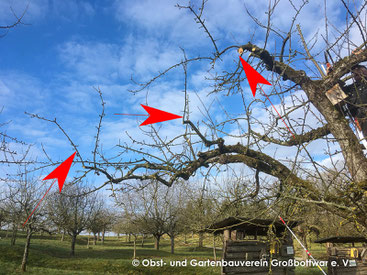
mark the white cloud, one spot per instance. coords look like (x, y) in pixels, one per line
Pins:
(93, 62)
(70, 10)
(20, 92)
(159, 19)
(4, 91)
(103, 63)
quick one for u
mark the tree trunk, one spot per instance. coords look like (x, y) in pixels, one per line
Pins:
(63, 235)
(103, 234)
(118, 236)
(142, 240)
(26, 249)
(201, 239)
(73, 241)
(172, 244)
(129, 238)
(134, 257)
(99, 236)
(214, 249)
(94, 239)
(156, 243)
(14, 234)
(339, 127)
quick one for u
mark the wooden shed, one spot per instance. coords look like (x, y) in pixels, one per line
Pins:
(257, 243)
(347, 255)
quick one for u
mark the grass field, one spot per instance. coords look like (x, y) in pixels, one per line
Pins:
(49, 255)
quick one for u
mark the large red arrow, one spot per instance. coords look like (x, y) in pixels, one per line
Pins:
(253, 76)
(156, 115)
(60, 173)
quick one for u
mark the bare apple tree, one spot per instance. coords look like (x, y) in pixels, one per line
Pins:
(249, 139)
(20, 198)
(72, 210)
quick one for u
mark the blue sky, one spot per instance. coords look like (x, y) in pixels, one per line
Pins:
(50, 65)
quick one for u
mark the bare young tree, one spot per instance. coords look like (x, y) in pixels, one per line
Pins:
(174, 201)
(155, 210)
(101, 220)
(200, 210)
(72, 210)
(3, 217)
(144, 211)
(22, 195)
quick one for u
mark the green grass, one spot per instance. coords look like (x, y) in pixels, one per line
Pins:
(49, 255)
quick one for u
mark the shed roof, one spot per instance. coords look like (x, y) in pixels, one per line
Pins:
(342, 239)
(250, 226)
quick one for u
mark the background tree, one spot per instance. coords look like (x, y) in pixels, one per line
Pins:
(21, 197)
(155, 210)
(101, 220)
(107, 222)
(144, 210)
(72, 210)
(118, 225)
(199, 212)
(96, 223)
(174, 201)
(3, 217)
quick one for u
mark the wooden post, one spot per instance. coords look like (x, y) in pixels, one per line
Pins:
(226, 234)
(226, 238)
(234, 235)
(240, 235)
(214, 249)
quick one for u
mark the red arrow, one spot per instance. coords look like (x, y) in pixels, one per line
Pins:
(156, 115)
(61, 171)
(253, 76)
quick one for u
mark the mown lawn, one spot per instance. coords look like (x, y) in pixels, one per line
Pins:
(49, 255)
